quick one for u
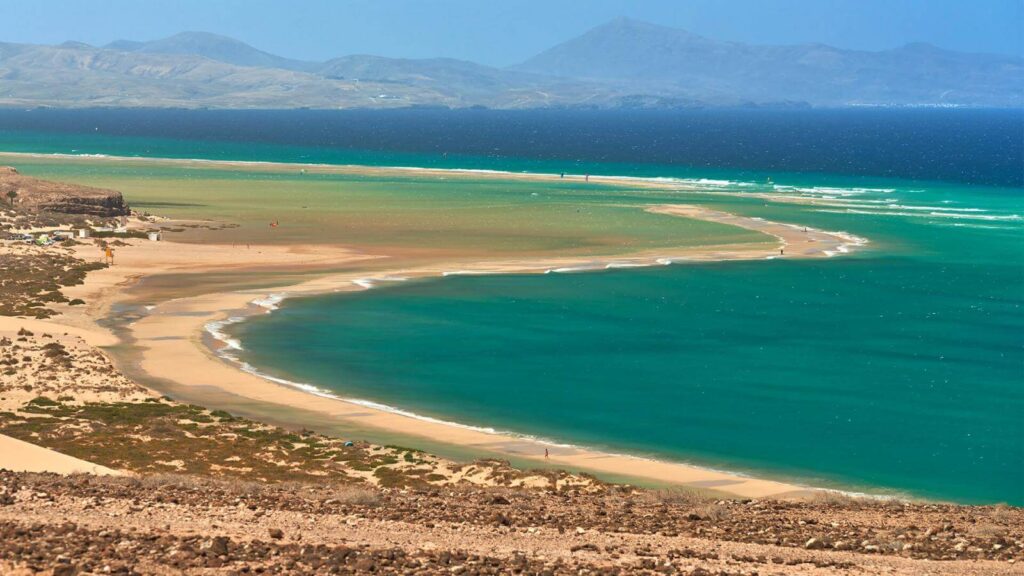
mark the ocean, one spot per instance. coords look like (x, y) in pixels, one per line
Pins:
(896, 369)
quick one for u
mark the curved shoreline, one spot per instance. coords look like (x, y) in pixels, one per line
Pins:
(169, 342)
(171, 336)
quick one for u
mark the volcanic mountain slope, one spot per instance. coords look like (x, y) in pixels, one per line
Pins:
(669, 60)
(623, 63)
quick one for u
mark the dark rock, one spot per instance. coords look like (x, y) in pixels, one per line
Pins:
(219, 545)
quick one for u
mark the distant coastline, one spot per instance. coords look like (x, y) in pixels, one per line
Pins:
(621, 64)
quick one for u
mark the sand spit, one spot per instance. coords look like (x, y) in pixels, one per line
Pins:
(169, 339)
(171, 333)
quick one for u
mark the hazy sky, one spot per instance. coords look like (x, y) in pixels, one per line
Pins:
(502, 32)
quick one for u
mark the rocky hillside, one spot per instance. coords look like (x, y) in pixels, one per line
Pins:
(660, 59)
(32, 194)
(621, 64)
(34, 75)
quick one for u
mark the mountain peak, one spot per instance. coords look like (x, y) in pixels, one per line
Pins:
(124, 45)
(196, 42)
(76, 45)
(626, 21)
(212, 46)
(641, 56)
(620, 48)
(632, 25)
(200, 38)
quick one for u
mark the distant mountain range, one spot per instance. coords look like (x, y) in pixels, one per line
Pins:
(621, 64)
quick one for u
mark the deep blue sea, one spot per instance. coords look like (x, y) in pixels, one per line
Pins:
(972, 146)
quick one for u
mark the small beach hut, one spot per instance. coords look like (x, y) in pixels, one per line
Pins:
(84, 232)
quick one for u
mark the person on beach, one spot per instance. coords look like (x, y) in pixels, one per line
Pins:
(108, 255)
(546, 454)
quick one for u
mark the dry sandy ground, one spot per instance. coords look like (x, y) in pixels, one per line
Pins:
(40, 364)
(19, 456)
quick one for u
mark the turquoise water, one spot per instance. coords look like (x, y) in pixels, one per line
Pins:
(899, 368)
(896, 369)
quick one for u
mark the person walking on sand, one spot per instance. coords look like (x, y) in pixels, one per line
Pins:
(547, 454)
(108, 255)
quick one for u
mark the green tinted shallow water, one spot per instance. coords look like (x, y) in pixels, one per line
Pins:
(448, 215)
(898, 368)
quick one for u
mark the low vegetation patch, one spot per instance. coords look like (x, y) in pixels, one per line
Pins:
(32, 278)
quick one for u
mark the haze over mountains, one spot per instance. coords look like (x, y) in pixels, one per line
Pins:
(621, 64)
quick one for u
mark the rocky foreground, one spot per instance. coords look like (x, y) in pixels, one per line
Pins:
(190, 525)
(209, 492)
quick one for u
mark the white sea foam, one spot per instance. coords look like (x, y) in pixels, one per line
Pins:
(216, 329)
(976, 226)
(270, 301)
(570, 269)
(867, 205)
(466, 273)
(934, 208)
(853, 191)
(950, 215)
(368, 283)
